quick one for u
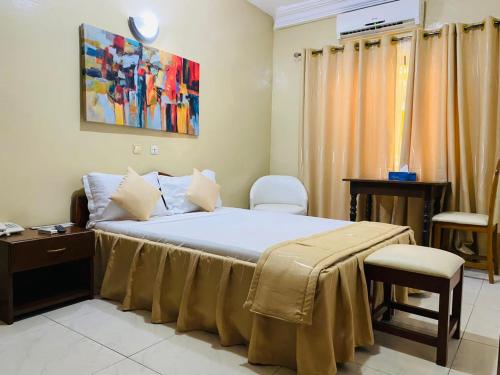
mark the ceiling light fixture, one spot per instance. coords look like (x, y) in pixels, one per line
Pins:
(144, 28)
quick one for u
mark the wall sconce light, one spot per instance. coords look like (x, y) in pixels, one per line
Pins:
(144, 28)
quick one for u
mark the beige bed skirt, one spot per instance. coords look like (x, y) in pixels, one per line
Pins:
(203, 291)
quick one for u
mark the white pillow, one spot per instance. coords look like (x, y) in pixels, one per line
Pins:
(174, 191)
(99, 187)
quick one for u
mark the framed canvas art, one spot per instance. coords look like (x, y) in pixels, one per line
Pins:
(129, 84)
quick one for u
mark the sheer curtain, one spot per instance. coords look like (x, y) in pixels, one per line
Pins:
(348, 121)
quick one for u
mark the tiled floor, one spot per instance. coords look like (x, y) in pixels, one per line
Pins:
(95, 337)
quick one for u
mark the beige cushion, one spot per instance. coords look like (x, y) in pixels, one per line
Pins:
(280, 207)
(418, 259)
(203, 191)
(136, 196)
(462, 218)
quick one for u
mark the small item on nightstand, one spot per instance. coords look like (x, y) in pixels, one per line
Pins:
(47, 230)
(53, 229)
(60, 229)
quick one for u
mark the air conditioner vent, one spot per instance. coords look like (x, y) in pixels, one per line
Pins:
(393, 14)
(371, 28)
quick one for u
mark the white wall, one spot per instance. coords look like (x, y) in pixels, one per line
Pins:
(45, 147)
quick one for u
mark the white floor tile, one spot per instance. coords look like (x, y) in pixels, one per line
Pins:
(395, 355)
(342, 369)
(475, 358)
(428, 325)
(124, 332)
(198, 353)
(53, 349)
(483, 326)
(479, 274)
(126, 367)
(8, 332)
(471, 290)
(489, 296)
(355, 369)
(82, 308)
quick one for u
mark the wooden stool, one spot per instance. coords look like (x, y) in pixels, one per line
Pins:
(420, 268)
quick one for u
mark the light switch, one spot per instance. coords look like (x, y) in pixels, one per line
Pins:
(137, 149)
(155, 150)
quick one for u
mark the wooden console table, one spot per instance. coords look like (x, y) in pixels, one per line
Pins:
(431, 192)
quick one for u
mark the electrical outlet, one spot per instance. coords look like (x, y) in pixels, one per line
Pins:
(155, 150)
(137, 149)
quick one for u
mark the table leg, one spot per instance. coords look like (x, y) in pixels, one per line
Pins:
(437, 206)
(426, 230)
(368, 208)
(354, 206)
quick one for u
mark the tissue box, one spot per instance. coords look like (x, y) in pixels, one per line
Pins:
(402, 176)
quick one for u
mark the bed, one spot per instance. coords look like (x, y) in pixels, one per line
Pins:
(197, 269)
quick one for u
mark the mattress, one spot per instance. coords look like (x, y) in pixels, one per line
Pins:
(239, 233)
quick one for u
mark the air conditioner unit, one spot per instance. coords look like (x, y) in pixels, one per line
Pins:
(389, 15)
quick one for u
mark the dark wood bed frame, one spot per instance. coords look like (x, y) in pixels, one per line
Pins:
(79, 211)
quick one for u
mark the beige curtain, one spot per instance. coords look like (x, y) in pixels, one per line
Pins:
(478, 67)
(429, 137)
(348, 121)
(452, 131)
(428, 141)
(452, 121)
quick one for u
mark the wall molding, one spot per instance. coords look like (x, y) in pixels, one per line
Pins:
(313, 10)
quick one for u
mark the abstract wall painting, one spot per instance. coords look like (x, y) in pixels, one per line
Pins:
(129, 84)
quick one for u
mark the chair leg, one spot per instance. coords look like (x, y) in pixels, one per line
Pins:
(490, 257)
(495, 250)
(443, 325)
(436, 231)
(456, 309)
(387, 301)
(371, 293)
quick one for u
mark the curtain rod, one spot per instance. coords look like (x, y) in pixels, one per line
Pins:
(367, 44)
(427, 34)
(479, 25)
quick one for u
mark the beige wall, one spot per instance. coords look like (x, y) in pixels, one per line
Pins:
(287, 70)
(45, 147)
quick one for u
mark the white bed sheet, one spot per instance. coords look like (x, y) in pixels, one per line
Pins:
(235, 232)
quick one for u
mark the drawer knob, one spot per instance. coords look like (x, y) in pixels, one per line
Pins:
(56, 250)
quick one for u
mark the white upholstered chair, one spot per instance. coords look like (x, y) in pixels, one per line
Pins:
(477, 223)
(279, 194)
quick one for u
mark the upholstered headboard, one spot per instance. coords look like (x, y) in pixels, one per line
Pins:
(79, 212)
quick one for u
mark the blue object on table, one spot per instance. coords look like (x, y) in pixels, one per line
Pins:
(402, 176)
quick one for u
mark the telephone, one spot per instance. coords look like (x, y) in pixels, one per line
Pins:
(6, 229)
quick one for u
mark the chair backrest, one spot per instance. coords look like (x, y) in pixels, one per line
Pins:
(278, 190)
(493, 195)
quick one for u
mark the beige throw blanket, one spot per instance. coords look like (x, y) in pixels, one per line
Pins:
(285, 279)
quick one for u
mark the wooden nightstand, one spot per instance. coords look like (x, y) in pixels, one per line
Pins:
(38, 271)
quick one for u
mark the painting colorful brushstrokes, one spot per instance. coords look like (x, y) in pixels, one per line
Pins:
(130, 84)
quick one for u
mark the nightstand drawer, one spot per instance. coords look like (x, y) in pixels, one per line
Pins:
(35, 254)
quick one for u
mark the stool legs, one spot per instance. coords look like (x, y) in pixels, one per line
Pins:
(456, 309)
(443, 326)
(448, 325)
(387, 301)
